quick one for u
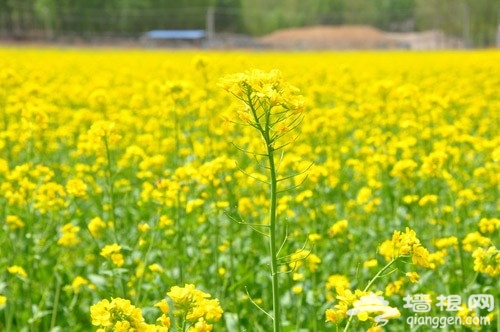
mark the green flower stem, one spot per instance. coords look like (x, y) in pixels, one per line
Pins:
(183, 328)
(179, 221)
(111, 188)
(265, 129)
(272, 237)
(380, 273)
(112, 202)
(370, 283)
(55, 308)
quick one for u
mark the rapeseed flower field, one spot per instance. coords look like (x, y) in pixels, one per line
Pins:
(240, 191)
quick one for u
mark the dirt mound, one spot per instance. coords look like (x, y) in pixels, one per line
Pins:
(328, 37)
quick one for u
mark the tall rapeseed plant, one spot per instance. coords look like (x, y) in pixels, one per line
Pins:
(274, 109)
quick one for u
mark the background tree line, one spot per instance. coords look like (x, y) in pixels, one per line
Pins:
(474, 20)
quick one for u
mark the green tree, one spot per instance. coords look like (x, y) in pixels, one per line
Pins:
(484, 20)
(228, 16)
(46, 12)
(263, 16)
(395, 15)
(475, 21)
(360, 12)
(331, 12)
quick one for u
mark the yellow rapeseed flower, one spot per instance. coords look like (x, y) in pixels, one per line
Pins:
(405, 244)
(113, 251)
(335, 316)
(395, 287)
(428, 200)
(338, 228)
(17, 270)
(50, 197)
(194, 304)
(69, 235)
(487, 260)
(413, 276)
(474, 240)
(155, 268)
(14, 222)
(370, 263)
(489, 225)
(78, 283)
(163, 305)
(76, 188)
(337, 281)
(445, 242)
(143, 227)
(95, 226)
(304, 257)
(117, 315)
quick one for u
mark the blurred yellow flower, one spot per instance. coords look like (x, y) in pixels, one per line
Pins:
(338, 228)
(69, 235)
(446, 242)
(95, 226)
(487, 260)
(14, 222)
(103, 132)
(395, 287)
(155, 268)
(163, 305)
(297, 289)
(405, 244)
(489, 225)
(3, 301)
(428, 200)
(474, 240)
(335, 316)
(143, 227)
(337, 282)
(314, 237)
(78, 283)
(194, 304)
(113, 251)
(364, 195)
(76, 188)
(304, 257)
(119, 314)
(370, 263)
(413, 276)
(17, 270)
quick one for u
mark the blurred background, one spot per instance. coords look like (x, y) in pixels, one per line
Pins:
(297, 24)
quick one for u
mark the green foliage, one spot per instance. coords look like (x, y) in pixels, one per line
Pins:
(474, 21)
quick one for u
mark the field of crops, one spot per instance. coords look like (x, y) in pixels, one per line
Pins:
(137, 193)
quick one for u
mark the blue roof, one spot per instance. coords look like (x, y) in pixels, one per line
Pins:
(175, 34)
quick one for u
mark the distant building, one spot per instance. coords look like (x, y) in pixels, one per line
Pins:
(174, 38)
